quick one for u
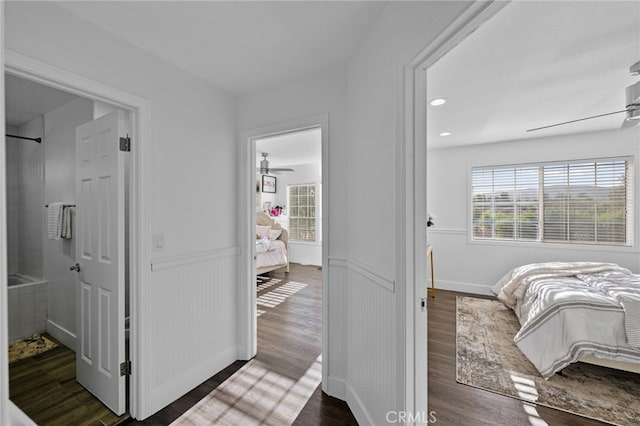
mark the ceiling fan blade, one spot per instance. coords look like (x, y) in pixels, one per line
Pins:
(575, 121)
(626, 123)
(280, 171)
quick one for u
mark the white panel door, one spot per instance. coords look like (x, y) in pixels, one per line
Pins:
(100, 238)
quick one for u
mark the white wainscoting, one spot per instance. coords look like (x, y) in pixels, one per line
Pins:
(370, 339)
(193, 300)
(336, 360)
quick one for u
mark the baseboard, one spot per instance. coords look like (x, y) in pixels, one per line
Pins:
(337, 388)
(357, 407)
(17, 417)
(183, 383)
(303, 261)
(61, 334)
(463, 287)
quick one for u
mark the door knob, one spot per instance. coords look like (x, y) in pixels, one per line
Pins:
(75, 267)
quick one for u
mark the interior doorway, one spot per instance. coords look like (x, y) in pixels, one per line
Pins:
(302, 198)
(44, 266)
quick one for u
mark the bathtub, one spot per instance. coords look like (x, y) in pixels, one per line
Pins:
(27, 300)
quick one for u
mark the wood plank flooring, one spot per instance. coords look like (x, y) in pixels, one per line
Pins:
(44, 387)
(458, 404)
(289, 341)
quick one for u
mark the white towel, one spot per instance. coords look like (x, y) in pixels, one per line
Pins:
(632, 321)
(67, 213)
(54, 220)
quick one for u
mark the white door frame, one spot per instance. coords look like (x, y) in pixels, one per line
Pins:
(411, 190)
(139, 109)
(247, 319)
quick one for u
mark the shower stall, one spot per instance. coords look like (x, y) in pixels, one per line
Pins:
(27, 287)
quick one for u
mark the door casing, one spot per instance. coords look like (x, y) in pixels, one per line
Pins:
(247, 317)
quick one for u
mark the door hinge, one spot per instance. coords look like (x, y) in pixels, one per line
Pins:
(125, 144)
(125, 368)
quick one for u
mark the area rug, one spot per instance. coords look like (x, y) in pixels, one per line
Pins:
(487, 358)
(29, 346)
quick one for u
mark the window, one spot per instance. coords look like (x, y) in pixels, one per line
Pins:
(586, 202)
(302, 212)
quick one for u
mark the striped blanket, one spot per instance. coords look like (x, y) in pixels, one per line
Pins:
(570, 310)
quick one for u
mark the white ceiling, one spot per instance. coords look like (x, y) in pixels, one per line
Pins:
(303, 147)
(241, 46)
(534, 64)
(25, 100)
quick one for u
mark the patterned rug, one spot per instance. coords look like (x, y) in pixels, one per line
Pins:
(487, 358)
(29, 346)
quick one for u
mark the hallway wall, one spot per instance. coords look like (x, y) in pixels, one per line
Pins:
(191, 148)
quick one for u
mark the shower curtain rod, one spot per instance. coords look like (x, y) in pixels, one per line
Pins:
(39, 140)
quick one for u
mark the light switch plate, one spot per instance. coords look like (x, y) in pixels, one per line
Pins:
(158, 242)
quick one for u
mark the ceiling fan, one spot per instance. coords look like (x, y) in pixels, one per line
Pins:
(266, 170)
(632, 108)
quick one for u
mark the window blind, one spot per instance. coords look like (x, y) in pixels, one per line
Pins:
(588, 202)
(302, 212)
(505, 203)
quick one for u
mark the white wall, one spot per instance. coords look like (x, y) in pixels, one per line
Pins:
(463, 265)
(193, 150)
(59, 150)
(376, 350)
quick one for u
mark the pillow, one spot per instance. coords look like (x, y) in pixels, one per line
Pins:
(262, 231)
(274, 234)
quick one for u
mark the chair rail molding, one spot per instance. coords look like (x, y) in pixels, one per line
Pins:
(182, 259)
(365, 271)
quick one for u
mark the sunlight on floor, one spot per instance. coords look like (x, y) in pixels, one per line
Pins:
(527, 391)
(255, 395)
(280, 294)
(265, 283)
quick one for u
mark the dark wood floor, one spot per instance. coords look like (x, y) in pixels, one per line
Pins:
(289, 341)
(44, 387)
(457, 404)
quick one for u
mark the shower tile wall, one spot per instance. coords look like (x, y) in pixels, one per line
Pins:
(31, 200)
(27, 310)
(12, 202)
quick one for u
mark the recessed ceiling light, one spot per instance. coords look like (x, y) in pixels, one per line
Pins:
(445, 133)
(438, 102)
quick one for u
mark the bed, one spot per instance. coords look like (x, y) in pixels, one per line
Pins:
(272, 243)
(575, 311)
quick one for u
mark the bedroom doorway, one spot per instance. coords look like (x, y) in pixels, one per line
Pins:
(286, 191)
(288, 218)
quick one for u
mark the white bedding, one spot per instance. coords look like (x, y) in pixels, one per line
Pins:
(570, 310)
(274, 256)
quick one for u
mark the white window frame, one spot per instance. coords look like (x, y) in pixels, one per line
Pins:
(316, 216)
(540, 242)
